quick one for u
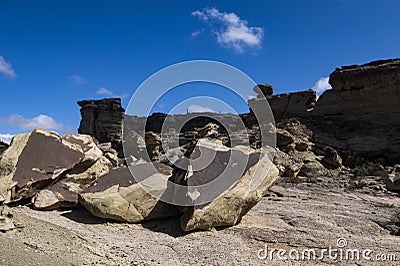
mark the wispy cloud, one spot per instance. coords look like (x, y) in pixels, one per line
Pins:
(230, 30)
(196, 33)
(6, 138)
(42, 121)
(122, 96)
(199, 109)
(77, 80)
(104, 91)
(6, 68)
(322, 85)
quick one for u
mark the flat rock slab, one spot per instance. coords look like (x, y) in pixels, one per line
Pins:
(64, 193)
(32, 169)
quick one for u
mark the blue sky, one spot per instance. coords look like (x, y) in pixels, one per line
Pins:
(53, 53)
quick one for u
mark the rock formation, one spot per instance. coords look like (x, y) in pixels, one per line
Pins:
(264, 90)
(102, 119)
(315, 141)
(360, 115)
(287, 105)
(369, 93)
(75, 169)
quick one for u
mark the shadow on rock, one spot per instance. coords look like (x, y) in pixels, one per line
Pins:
(81, 215)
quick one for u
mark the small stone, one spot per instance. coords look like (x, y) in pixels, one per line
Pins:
(332, 158)
(302, 146)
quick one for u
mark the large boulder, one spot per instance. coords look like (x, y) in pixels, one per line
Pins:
(234, 197)
(117, 195)
(283, 137)
(8, 163)
(36, 160)
(332, 158)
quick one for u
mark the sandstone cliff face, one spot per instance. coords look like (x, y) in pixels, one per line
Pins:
(287, 105)
(102, 119)
(297, 104)
(369, 93)
(360, 115)
(188, 122)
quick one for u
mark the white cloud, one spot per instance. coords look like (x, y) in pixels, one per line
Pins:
(6, 68)
(199, 109)
(104, 91)
(122, 96)
(231, 31)
(77, 80)
(6, 138)
(322, 85)
(42, 121)
(197, 33)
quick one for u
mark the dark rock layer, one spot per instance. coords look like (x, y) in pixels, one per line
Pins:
(360, 115)
(102, 119)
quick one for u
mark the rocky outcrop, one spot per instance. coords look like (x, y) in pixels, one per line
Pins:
(188, 122)
(288, 105)
(264, 90)
(102, 119)
(296, 104)
(234, 197)
(369, 93)
(360, 115)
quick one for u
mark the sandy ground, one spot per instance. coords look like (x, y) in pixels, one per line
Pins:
(293, 216)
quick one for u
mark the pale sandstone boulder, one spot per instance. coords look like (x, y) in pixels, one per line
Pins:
(118, 196)
(237, 197)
